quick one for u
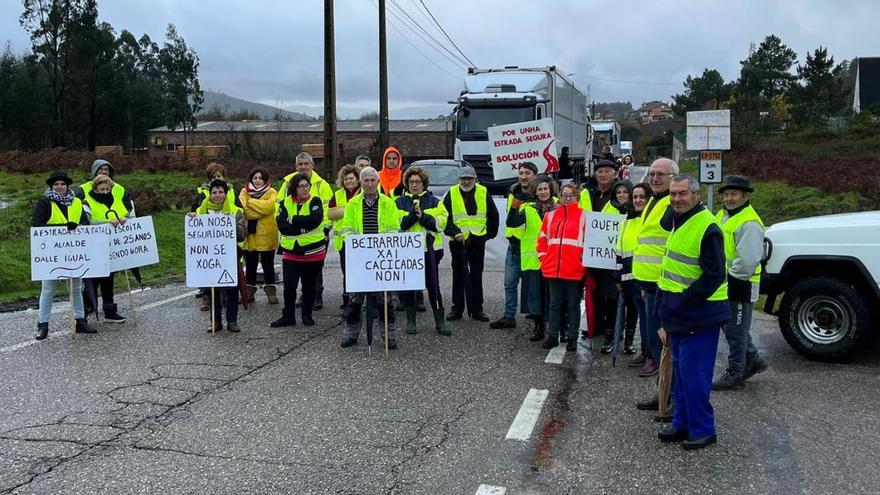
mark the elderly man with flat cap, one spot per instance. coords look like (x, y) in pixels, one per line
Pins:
(743, 233)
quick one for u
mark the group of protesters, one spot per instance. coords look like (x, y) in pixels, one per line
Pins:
(683, 273)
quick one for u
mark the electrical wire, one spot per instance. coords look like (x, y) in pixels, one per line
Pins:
(445, 33)
(412, 22)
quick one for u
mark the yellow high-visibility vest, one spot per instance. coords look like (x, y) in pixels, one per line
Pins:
(469, 224)
(729, 226)
(651, 243)
(681, 263)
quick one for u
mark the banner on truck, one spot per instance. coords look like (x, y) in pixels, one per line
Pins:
(513, 144)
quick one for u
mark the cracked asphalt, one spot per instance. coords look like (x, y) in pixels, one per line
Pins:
(163, 407)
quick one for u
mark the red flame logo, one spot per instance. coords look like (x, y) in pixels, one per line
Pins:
(552, 162)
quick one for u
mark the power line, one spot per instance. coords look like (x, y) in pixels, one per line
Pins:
(458, 64)
(444, 33)
(435, 64)
(422, 29)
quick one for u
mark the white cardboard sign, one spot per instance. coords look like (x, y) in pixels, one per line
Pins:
(600, 239)
(58, 253)
(133, 244)
(211, 257)
(708, 130)
(384, 262)
(513, 144)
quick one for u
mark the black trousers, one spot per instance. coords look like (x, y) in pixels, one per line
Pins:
(467, 274)
(265, 258)
(565, 303)
(105, 289)
(231, 295)
(307, 273)
(432, 283)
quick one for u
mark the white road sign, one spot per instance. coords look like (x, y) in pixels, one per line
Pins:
(708, 130)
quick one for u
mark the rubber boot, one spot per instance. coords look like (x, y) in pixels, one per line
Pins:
(411, 320)
(271, 293)
(440, 322)
(82, 326)
(42, 331)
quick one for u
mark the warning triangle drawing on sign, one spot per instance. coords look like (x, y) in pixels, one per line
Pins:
(226, 278)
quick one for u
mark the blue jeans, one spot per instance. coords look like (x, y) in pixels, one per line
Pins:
(739, 338)
(511, 280)
(693, 360)
(652, 324)
(48, 293)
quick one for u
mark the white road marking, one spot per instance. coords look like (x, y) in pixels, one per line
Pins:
(528, 414)
(491, 490)
(556, 355)
(22, 345)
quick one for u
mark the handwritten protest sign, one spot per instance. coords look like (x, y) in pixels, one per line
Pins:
(211, 258)
(600, 239)
(384, 262)
(133, 244)
(58, 253)
(513, 144)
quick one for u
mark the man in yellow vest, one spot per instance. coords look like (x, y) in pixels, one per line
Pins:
(320, 188)
(473, 220)
(647, 257)
(118, 207)
(743, 246)
(692, 303)
(512, 273)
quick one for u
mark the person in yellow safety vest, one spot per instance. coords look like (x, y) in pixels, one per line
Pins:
(305, 164)
(421, 211)
(525, 178)
(349, 184)
(59, 207)
(390, 175)
(598, 196)
(214, 171)
(257, 199)
(648, 254)
(300, 220)
(216, 204)
(369, 213)
(632, 292)
(108, 204)
(692, 300)
(743, 246)
(473, 220)
(626, 239)
(526, 213)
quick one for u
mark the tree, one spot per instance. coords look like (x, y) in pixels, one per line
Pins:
(767, 71)
(704, 92)
(813, 102)
(181, 91)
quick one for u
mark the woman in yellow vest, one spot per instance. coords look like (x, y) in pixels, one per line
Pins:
(349, 186)
(528, 212)
(300, 220)
(257, 200)
(108, 204)
(59, 207)
(217, 204)
(214, 171)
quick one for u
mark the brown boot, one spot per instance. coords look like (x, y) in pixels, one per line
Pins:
(271, 294)
(204, 303)
(233, 327)
(251, 290)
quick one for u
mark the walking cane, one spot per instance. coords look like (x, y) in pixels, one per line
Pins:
(72, 310)
(130, 299)
(213, 323)
(385, 301)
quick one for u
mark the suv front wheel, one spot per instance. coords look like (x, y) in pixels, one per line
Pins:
(824, 318)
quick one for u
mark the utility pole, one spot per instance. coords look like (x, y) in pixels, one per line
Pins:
(384, 138)
(329, 92)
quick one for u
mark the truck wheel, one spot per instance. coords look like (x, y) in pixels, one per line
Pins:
(824, 319)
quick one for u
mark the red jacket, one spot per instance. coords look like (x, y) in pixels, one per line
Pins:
(561, 243)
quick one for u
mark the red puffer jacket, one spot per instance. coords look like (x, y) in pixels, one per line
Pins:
(561, 243)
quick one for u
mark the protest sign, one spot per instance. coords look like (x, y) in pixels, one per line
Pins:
(384, 262)
(513, 144)
(58, 253)
(600, 239)
(133, 244)
(211, 257)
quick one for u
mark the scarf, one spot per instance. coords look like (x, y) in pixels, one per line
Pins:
(105, 199)
(257, 192)
(544, 207)
(212, 207)
(66, 199)
(389, 178)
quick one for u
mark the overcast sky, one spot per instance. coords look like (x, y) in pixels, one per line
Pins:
(271, 51)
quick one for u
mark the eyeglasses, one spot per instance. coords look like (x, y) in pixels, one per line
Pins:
(307, 186)
(658, 174)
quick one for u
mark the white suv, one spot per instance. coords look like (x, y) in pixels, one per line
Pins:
(828, 272)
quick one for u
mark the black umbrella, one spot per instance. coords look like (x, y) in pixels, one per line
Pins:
(618, 328)
(91, 294)
(369, 316)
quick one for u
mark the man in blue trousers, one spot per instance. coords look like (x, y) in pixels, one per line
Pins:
(692, 307)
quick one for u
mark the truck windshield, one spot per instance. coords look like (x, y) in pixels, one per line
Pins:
(477, 120)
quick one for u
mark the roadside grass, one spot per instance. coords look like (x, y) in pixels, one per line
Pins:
(853, 144)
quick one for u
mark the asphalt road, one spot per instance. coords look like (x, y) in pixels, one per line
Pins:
(163, 407)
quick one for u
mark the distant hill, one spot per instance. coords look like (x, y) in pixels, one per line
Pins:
(230, 104)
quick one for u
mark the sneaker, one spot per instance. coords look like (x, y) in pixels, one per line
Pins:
(629, 349)
(637, 362)
(652, 404)
(348, 342)
(551, 342)
(732, 380)
(670, 434)
(113, 317)
(650, 368)
(454, 315)
(503, 322)
(479, 316)
(699, 443)
(754, 366)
